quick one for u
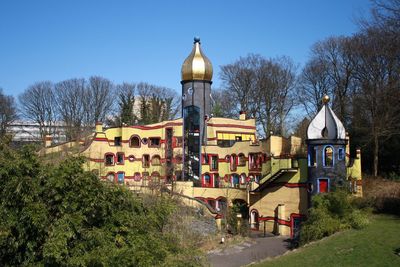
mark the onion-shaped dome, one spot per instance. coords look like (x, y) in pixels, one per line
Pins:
(197, 66)
(325, 124)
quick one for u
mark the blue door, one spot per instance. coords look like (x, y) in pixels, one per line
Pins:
(121, 178)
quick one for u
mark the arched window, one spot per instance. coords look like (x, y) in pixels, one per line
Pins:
(207, 182)
(134, 141)
(233, 161)
(241, 160)
(156, 160)
(155, 178)
(235, 180)
(111, 177)
(243, 178)
(109, 159)
(328, 156)
(137, 177)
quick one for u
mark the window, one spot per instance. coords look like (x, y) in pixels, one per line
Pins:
(137, 177)
(109, 159)
(207, 182)
(155, 178)
(233, 162)
(111, 177)
(121, 177)
(204, 159)
(341, 154)
(154, 141)
(156, 160)
(120, 158)
(328, 156)
(214, 162)
(145, 176)
(238, 138)
(255, 161)
(134, 141)
(146, 161)
(216, 180)
(241, 160)
(243, 178)
(117, 141)
(312, 157)
(235, 180)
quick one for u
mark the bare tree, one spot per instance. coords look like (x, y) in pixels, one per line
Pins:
(313, 85)
(70, 94)
(335, 54)
(238, 78)
(263, 88)
(38, 104)
(223, 104)
(97, 100)
(378, 78)
(156, 103)
(8, 112)
(126, 105)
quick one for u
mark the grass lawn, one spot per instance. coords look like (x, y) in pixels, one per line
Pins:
(374, 245)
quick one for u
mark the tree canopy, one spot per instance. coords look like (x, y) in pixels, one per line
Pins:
(63, 216)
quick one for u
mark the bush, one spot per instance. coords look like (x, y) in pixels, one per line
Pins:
(329, 214)
(60, 215)
(358, 219)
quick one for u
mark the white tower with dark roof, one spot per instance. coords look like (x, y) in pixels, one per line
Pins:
(326, 148)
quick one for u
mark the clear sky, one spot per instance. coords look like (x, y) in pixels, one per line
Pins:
(137, 41)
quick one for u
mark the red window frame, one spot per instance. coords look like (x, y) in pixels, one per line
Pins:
(105, 158)
(122, 154)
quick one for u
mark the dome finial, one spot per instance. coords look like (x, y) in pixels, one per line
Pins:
(325, 99)
(197, 66)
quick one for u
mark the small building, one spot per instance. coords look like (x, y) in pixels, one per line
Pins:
(217, 162)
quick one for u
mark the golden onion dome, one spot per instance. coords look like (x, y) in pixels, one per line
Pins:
(197, 66)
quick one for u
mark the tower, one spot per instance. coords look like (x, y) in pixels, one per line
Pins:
(326, 148)
(196, 107)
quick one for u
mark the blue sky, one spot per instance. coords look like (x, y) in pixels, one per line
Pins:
(137, 41)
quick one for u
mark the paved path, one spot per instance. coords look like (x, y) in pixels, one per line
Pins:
(256, 249)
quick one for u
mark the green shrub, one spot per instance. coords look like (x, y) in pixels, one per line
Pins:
(60, 215)
(358, 219)
(318, 225)
(329, 214)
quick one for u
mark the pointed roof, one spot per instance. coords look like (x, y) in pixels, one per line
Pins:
(197, 66)
(326, 124)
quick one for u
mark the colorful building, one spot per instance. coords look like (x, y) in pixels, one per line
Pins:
(216, 162)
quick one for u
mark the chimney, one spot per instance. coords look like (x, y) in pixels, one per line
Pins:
(48, 140)
(99, 127)
(242, 115)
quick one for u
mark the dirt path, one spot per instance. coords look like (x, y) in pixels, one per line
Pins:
(254, 250)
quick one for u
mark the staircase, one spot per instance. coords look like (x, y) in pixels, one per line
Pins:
(276, 168)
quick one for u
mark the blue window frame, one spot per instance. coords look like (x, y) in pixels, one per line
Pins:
(312, 156)
(121, 177)
(341, 154)
(328, 156)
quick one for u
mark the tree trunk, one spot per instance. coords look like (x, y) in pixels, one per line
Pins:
(376, 156)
